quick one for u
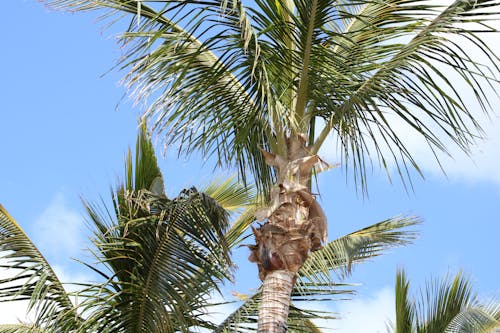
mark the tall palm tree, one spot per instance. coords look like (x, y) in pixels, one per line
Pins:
(263, 84)
(447, 306)
(161, 259)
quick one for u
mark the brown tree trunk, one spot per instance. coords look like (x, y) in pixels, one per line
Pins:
(273, 310)
(294, 226)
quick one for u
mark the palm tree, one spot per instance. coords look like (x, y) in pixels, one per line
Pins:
(263, 85)
(447, 306)
(160, 260)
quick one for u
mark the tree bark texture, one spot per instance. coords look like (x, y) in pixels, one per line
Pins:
(273, 311)
(294, 226)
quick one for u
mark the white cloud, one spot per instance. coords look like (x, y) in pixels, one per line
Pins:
(361, 314)
(59, 230)
(13, 312)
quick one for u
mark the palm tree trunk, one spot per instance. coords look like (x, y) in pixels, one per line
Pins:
(295, 225)
(273, 311)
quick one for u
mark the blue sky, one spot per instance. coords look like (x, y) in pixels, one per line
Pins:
(61, 138)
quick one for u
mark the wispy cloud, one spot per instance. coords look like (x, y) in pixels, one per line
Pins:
(59, 230)
(368, 314)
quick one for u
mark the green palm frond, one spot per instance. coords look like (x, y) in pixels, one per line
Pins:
(31, 277)
(480, 319)
(211, 77)
(356, 247)
(405, 306)
(244, 318)
(161, 258)
(239, 229)
(447, 305)
(163, 267)
(405, 54)
(22, 328)
(230, 194)
(234, 198)
(228, 79)
(442, 301)
(144, 174)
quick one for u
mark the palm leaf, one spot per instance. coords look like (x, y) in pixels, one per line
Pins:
(442, 302)
(244, 319)
(228, 79)
(234, 198)
(32, 278)
(447, 305)
(405, 307)
(356, 247)
(219, 77)
(161, 258)
(230, 194)
(409, 80)
(479, 319)
(22, 328)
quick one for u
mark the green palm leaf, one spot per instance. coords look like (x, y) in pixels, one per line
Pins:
(31, 277)
(480, 319)
(443, 301)
(447, 305)
(161, 258)
(409, 80)
(228, 78)
(356, 247)
(22, 328)
(244, 319)
(405, 307)
(230, 194)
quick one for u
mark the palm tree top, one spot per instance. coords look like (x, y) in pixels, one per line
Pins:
(448, 305)
(229, 78)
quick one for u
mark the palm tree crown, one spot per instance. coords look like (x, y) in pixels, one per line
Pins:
(230, 78)
(447, 306)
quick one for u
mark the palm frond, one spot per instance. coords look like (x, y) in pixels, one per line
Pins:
(244, 318)
(240, 227)
(144, 174)
(22, 328)
(161, 257)
(405, 53)
(32, 278)
(446, 305)
(340, 254)
(209, 76)
(442, 301)
(405, 307)
(482, 318)
(230, 194)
